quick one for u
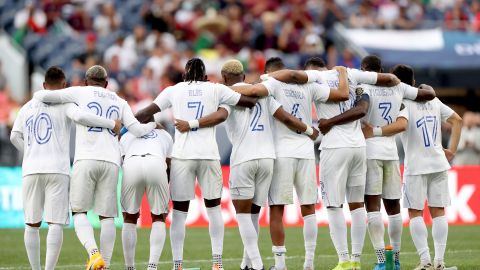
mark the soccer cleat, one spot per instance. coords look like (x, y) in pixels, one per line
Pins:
(397, 265)
(217, 267)
(343, 266)
(441, 266)
(355, 265)
(379, 266)
(273, 268)
(96, 262)
(427, 266)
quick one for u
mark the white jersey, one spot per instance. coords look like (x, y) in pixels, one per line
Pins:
(385, 103)
(46, 136)
(96, 143)
(250, 130)
(157, 143)
(349, 134)
(422, 140)
(192, 100)
(296, 99)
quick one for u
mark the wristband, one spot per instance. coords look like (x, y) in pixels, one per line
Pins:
(193, 124)
(309, 131)
(377, 131)
(313, 75)
(264, 77)
(123, 131)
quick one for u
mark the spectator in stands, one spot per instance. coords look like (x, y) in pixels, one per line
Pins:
(155, 37)
(158, 15)
(158, 60)
(127, 56)
(90, 50)
(267, 39)
(475, 16)
(347, 59)
(298, 15)
(145, 86)
(136, 41)
(456, 18)
(404, 21)
(79, 20)
(468, 152)
(331, 14)
(3, 79)
(364, 17)
(107, 21)
(53, 10)
(234, 37)
(31, 19)
(388, 13)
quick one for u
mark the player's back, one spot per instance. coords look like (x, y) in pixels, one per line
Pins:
(192, 100)
(95, 142)
(385, 104)
(157, 143)
(250, 130)
(46, 132)
(422, 140)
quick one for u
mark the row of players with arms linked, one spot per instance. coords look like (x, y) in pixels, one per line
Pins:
(273, 153)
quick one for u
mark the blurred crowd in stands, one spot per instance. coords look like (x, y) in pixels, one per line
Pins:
(150, 41)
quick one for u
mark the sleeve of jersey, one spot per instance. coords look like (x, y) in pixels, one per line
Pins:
(87, 119)
(409, 92)
(66, 95)
(270, 84)
(445, 111)
(132, 124)
(273, 105)
(403, 111)
(170, 147)
(321, 92)
(16, 138)
(227, 108)
(163, 100)
(227, 96)
(366, 77)
(18, 123)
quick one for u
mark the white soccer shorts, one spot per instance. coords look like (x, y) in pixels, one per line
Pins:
(432, 187)
(251, 180)
(46, 193)
(144, 174)
(184, 172)
(293, 172)
(94, 185)
(342, 175)
(383, 178)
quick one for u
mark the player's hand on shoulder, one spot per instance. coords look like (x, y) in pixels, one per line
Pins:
(315, 134)
(118, 127)
(340, 68)
(449, 154)
(324, 126)
(367, 130)
(182, 125)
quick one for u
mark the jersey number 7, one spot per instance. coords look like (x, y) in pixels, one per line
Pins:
(429, 136)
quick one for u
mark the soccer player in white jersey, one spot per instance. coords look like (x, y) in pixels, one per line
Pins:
(426, 166)
(295, 163)
(97, 160)
(195, 154)
(42, 132)
(383, 168)
(146, 161)
(250, 171)
(342, 156)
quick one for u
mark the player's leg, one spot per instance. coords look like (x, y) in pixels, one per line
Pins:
(106, 207)
(82, 187)
(158, 197)
(333, 181)
(307, 191)
(33, 200)
(211, 183)
(279, 195)
(133, 187)
(373, 195)
(182, 190)
(56, 215)
(355, 197)
(415, 193)
(438, 198)
(392, 192)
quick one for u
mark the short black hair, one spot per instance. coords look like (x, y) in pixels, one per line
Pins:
(54, 76)
(372, 63)
(404, 73)
(314, 61)
(195, 71)
(274, 64)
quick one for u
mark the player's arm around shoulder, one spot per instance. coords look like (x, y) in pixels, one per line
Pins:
(87, 118)
(400, 125)
(254, 90)
(67, 95)
(295, 124)
(210, 120)
(342, 92)
(425, 93)
(132, 124)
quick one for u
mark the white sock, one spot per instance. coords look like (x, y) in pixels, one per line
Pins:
(338, 232)
(157, 241)
(129, 242)
(376, 230)
(357, 232)
(279, 254)
(54, 245)
(249, 239)
(246, 262)
(107, 239)
(177, 234)
(216, 229)
(255, 218)
(419, 233)
(84, 231)
(440, 235)
(31, 238)
(395, 228)
(310, 238)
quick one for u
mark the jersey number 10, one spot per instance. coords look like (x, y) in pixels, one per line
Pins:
(34, 130)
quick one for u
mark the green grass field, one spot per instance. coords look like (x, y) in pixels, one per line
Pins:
(462, 250)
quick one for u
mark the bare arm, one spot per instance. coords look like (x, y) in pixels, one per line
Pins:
(87, 119)
(169, 162)
(387, 79)
(246, 101)
(256, 90)
(210, 120)
(396, 127)
(342, 93)
(425, 93)
(146, 115)
(355, 113)
(290, 76)
(456, 121)
(293, 123)
(17, 140)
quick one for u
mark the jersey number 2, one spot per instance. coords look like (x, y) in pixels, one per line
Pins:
(256, 117)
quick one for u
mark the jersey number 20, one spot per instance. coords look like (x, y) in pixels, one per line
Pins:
(99, 112)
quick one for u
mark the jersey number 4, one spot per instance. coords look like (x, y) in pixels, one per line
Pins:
(99, 112)
(39, 128)
(428, 126)
(197, 105)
